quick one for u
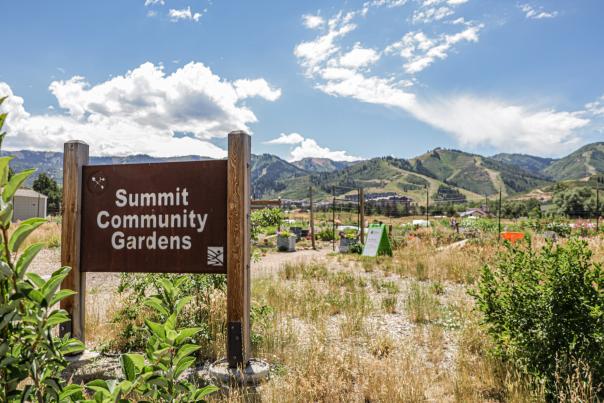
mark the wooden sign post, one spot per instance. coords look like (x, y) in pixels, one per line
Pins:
(238, 249)
(176, 217)
(74, 158)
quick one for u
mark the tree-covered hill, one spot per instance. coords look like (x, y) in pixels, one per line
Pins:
(586, 161)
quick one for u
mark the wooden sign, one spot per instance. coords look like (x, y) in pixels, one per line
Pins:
(184, 217)
(155, 218)
(377, 241)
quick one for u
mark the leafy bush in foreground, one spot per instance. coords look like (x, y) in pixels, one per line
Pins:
(545, 311)
(32, 357)
(157, 375)
(135, 288)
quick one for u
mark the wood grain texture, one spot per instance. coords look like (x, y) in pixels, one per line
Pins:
(238, 241)
(74, 158)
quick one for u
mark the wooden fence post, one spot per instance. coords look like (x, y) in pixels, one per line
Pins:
(75, 156)
(238, 249)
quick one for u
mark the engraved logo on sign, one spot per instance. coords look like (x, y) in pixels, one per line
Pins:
(215, 256)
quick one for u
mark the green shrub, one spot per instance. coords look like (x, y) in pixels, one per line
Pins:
(545, 310)
(356, 248)
(480, 224)
(158, 374)
(31, 355)
(268, 217)
(136, 287)
(285, 233)
(351, 233)
(270, 230)
(326, 234)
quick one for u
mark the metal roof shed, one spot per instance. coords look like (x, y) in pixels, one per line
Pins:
(28, 203)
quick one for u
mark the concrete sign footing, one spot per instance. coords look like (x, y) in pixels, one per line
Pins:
(254, 373)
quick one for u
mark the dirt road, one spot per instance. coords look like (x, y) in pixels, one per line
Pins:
(49, 260)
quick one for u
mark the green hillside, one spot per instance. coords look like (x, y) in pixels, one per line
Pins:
(586, 161)
(375, 176)
(269, 173)
(529, 163)
(320, 164)
(475, 173)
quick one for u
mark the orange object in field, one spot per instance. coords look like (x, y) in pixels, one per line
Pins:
(512, 236)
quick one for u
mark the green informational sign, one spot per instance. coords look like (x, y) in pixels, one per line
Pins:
(377, 242)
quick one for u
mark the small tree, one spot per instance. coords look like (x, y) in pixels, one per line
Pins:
(48, 186)
(578, 202)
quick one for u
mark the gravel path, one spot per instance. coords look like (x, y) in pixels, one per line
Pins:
(49, 260)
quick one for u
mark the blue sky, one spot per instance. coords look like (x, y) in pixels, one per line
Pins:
(339, 79)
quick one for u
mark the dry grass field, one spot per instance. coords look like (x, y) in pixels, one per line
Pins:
(343, 328)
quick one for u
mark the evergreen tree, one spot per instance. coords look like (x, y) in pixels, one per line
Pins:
(48, 186)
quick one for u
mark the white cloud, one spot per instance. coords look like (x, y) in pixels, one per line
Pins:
(458, 21)
(471, 119)
(431, 14)
(256, 88)
(314, 52)
(153, 2)
(421, 51)
(595, 108)
(387, 3)
(313, 21)
(143, 111)
(374, 90)
(308, 148)
(292, 138)
(359, 57)
(476, 121)
(536, 13)
(183, 14)
(435, 10)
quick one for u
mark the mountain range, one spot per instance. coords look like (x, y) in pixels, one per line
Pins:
(450, 174)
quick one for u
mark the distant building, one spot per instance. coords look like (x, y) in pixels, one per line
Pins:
(28, 203)
(390, 196)
(474, 212)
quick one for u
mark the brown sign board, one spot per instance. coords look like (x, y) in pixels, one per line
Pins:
(156, 218)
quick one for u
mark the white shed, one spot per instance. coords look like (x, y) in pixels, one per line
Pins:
(28, 203)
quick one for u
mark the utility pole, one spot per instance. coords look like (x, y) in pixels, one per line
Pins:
(599, 180)
(333, 218)
(427, 205)
(362, 213)
(499, 217)
(312, 220)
